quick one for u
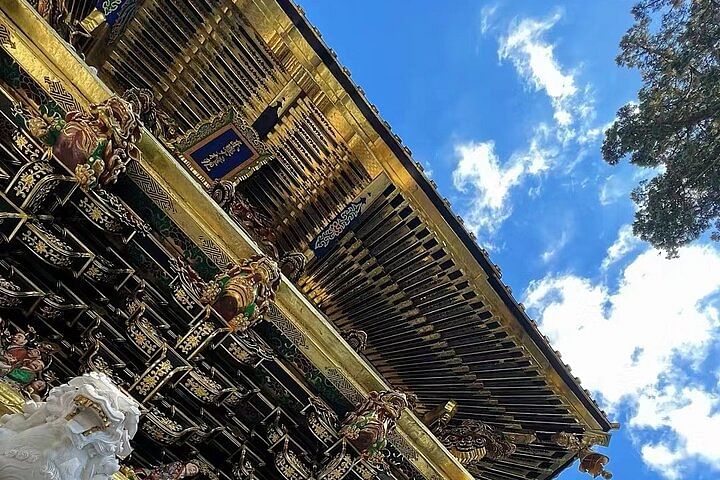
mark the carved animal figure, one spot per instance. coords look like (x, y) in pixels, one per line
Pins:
(241, 294)
(78, 433)
(24, 359)
(97, 145)
(368, 426)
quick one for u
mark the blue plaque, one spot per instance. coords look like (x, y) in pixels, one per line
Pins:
(222, 148)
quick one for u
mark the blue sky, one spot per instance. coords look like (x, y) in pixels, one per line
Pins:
(505, 104)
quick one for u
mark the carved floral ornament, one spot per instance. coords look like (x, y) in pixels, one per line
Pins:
(259, 226)
(472, 441)
(357, 339)
(152, 116)
(367, 427)
(172, 471)
(241, 294)
(182, 469)
(243, 469)
(591, 462)
(97, 145)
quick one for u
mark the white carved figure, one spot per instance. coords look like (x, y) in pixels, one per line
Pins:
(78, 433)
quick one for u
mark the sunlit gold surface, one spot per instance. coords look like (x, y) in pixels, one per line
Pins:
(10, 400)
(93, 21)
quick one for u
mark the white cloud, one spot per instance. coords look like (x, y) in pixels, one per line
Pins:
(625, 243)
(525, 45)
(534, 59)
(489, 179)
(540, 153)
(593, 134)
(661, 313)
(480, 174)
(427, 168)
(662, 459)
(616, 187)
(480, 166)
(555, 247)
(692, 413)
(486, 17)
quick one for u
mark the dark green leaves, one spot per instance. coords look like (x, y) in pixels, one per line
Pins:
(675, 126)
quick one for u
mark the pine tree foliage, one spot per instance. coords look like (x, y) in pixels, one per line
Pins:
(674, 127)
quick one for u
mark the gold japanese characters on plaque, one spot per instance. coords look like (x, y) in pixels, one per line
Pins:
(224, 147)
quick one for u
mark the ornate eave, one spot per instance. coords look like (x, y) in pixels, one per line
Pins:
(396, 161)
(47, 58)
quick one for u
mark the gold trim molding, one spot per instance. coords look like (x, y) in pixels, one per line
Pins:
(10, 400)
